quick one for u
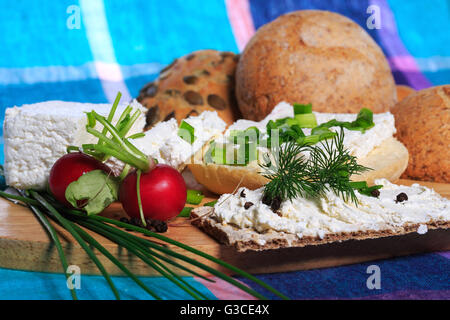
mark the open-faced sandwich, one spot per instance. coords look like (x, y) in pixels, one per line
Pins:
(249, 220)
(237, 157)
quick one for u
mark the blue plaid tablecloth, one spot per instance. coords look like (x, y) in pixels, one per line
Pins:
(87, 50)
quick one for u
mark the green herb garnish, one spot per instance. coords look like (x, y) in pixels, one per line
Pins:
(210, 204)
(363, 122)
(302, 108)
(328, 167)
(194, 197)
(186, 132)
(186, 212)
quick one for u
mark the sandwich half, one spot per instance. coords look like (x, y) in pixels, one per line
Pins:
(374, 147)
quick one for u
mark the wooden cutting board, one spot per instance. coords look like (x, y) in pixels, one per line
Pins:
(24, 244)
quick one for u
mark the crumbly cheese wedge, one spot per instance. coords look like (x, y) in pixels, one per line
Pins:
(36, 135)
(163, 143)
(242, 220)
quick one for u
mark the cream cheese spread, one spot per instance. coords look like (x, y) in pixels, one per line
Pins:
(331, 214)
(163, 143)
(357, 143)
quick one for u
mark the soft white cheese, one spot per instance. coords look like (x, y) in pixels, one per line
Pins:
(330, 214)
(163, 143)
(36, 135)
(357, 143)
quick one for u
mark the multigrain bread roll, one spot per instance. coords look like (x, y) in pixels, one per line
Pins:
(202, 80)
(422, 120)
(316, 57)
(403, 91)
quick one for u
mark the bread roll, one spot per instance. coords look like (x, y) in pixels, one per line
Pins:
(202, 80)
(422, 120)
(316, 57)
(403, 91)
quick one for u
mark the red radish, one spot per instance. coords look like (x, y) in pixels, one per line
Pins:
(69, 168)
(162, 190)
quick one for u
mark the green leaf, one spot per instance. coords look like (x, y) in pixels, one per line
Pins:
(95, 190)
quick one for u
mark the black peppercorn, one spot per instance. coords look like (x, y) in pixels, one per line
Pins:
(136, 221)
(248, 205)
(276, 204)
(375, 193)
(267, 200)
(242, 193)
(160, 226)
(402, 197)
(124, 220)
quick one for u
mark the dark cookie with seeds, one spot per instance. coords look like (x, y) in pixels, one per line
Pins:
(202, 80)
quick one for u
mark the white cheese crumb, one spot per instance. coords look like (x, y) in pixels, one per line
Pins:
(422, 229)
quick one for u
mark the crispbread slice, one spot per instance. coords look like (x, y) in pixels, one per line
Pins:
(248, 239)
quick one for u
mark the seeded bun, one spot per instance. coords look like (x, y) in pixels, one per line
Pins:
(202, 80)
(316, 57)
(422, 120)
(403, 91)
(388, 160)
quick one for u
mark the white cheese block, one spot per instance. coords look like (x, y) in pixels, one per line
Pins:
(36, 135)
(163, 143)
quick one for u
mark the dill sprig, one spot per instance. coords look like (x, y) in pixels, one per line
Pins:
(311, 170)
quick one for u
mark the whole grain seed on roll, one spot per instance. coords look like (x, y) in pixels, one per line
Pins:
(202, 80)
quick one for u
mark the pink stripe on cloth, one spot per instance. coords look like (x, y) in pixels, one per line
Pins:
(403, 63)
(224, 290)
(445, 254)
(395, 48)
(241, 21)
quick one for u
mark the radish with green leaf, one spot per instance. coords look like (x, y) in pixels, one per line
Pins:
(146, 190)
(70, 168)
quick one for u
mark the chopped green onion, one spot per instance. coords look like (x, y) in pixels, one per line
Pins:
(292, 122)
(186, 132)
(363, 122)
(306, 120)
(69, 149)
(358, 184)
(210, 204)
(302, 108)
(313, 139)
(368, 190)
(186, 212)
(250, 134)
(194, 197)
